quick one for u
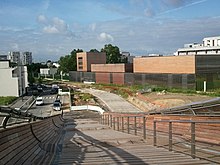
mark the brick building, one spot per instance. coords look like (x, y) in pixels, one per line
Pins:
(189, 71)
(85, 59)
(165, 64)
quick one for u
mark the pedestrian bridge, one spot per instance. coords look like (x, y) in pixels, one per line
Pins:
(115, 139)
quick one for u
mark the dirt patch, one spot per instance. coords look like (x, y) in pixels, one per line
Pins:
(168, 100)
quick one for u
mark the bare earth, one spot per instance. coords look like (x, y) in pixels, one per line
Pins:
(174, 99)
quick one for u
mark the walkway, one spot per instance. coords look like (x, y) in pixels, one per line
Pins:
(114, 102)
(89, 143)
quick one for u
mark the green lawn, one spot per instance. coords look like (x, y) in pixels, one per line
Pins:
(7, 100)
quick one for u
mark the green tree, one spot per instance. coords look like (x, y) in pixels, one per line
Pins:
(112, 54)
(94, 50)
(68, 62)
(33, 71)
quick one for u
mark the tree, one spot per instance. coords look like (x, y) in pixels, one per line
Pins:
(33, 70)
(68, 62)
(94, 50)
(112, 54)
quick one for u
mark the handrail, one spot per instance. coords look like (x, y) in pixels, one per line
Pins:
(192, 128)
(192, 108)
(9, 113)
(149, 128)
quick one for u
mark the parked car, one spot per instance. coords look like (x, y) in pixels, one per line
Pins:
(39, 101)
(59, 101)
(54, 91)
(56, 106)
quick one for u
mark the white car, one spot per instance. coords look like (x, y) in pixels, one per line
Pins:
(56, 106)
(39, 101)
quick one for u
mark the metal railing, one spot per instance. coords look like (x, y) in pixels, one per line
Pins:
(10, 116)
(207, 108)
(184, 136)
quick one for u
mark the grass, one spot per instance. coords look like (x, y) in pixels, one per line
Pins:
(7, 100)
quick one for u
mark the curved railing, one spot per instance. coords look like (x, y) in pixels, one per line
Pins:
(204, 108)
(197, 136)
(10, 116)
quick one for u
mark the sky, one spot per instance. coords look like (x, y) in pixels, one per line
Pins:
(53, 28)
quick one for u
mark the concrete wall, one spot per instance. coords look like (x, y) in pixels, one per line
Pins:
(8, 84)
(113, 68)
(165, 64)
(13, 81)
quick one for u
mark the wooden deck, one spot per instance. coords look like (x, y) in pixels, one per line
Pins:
(89, 143)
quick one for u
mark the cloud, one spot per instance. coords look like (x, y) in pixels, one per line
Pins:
(50, 29)
(42, 19)
(174, 3)
(46, 4)
(149, 12)
(54, 25)
(92, 26)
(15, 46)
(104, 37)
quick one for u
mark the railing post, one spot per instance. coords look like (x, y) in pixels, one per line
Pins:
(135, 125)
(108, 119)
(144, 127)
(170, 136)
(111, 121)
(103, 119)
(155, 133)
(128, 125)
(114, 123)
(118, 123)
(193, 145)
(122, 124)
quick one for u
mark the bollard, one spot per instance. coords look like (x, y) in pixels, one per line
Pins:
(144, 127)
(170, 137)
(193, 145)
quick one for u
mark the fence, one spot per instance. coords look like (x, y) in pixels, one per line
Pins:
(196, 136)
(186, 81)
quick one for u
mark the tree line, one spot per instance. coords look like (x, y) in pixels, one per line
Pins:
(69, 62)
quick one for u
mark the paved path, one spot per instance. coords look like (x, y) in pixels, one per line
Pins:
(89, 143)
(21, 103)
(114, 102)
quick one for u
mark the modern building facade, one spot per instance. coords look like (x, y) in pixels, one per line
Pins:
(210, 45)
(14, 57)
(3, 57)
(13, 80)
(85, 59)
(165, 64)
(27, 58)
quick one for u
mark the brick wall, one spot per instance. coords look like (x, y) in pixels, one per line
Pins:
(165, 64)
(103, 78)
(112, 68)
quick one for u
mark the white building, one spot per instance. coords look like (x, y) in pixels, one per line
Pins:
(13, 80)
(27, 58)
(128, 56)
(210, 45)
(48, 72)
(14, 56)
